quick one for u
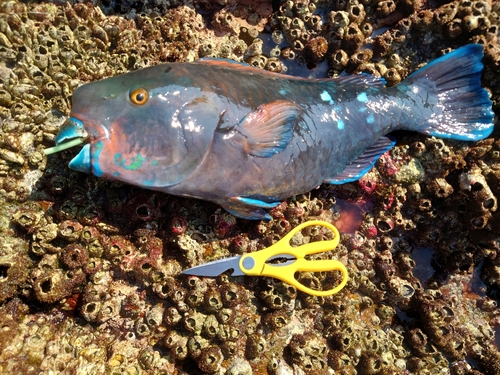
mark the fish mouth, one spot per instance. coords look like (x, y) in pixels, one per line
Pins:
(73, 134)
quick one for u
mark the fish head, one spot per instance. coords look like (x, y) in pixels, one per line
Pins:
(148, 128)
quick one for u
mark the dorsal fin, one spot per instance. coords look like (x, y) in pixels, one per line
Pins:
(361, 79)
(223, 62)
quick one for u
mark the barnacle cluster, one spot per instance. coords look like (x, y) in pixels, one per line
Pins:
(90, 269)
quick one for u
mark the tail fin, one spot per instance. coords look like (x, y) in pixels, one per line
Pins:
(465, 107)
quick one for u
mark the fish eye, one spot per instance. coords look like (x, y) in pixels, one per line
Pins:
(139, 96)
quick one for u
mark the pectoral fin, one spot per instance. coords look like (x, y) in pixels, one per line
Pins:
(268, 129)
(359, 167)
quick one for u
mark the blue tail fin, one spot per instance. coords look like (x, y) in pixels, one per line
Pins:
(464, 107)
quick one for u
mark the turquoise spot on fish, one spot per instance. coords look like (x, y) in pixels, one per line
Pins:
(340, 124)
(282, 92)
(326, 97)
(133, 165)
(362, 97)
(154, 163)
(370, 119)
(116, 174)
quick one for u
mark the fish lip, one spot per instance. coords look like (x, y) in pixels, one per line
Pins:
(71, 134)
(82, 162)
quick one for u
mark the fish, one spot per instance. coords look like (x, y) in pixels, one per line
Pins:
(247, 139)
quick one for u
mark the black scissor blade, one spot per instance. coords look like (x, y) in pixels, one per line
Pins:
(215, 268)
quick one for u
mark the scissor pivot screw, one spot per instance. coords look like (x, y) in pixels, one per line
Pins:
(248, 263)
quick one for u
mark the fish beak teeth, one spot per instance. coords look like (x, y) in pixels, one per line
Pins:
(71, 134)
(81, 162)
(71, 129)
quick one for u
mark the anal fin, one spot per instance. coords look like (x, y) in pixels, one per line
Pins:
(359, 167)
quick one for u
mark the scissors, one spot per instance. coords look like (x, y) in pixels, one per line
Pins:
(257, 263)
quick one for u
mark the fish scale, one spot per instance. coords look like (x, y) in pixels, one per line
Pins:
(247, 139)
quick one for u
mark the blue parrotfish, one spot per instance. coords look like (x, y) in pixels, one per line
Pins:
(247, 139)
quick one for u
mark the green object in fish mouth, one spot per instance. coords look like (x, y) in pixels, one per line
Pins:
(64, 146)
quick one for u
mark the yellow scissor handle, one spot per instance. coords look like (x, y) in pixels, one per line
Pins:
(254, 264)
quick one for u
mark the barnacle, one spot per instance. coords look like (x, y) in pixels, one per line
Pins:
(93, 266)
(14, 272)
(74, 256)
(195, 297)
(274, 65)
(225, 316)
(370, 364)
(228, 332)
(143, 267)
(177, 345)
(309, 352)
(178, 225)
(27, 218)
(440, 188)
(210, 326)
(385, 7)
(275, 320)
(340, 361)
(288, 53)
(210, 359)
(356, 13)
(193, 321)
(385, 224)
(69, 230)
(360, 58)
(258, 61)
(154, 317)
(115, 247)
(352, 38)
(446, 13)
(339, 59)
(232, 295)
(223, 223)
(475, 183)
(53, 285)
(338, 19)
(46, 234)
(392, 76)
(142, 329)
(172, 316)
(255, 346)
(315, 49)
(108, 309)
(195, 345)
